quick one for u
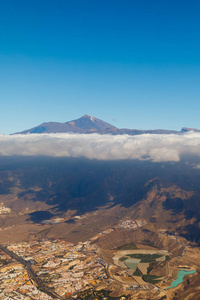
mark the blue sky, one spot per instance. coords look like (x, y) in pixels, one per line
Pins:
(132, 63)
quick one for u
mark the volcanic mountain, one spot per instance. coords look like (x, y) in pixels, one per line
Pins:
(88, 124)
(85, 124)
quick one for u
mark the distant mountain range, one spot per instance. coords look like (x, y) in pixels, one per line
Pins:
(88, 124)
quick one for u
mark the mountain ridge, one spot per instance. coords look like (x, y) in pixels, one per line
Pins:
(88, 124)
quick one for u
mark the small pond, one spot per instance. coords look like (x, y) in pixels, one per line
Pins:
(181, 274)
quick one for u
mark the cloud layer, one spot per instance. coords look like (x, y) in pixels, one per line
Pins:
(154, 147)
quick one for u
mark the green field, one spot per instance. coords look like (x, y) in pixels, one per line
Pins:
(132, 263)
(136, 273)
(145, 258)
(151, 278)
(123, 258)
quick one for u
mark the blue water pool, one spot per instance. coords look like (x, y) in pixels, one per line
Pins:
(181, 274)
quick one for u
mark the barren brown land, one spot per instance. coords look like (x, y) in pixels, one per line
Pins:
(93, 231)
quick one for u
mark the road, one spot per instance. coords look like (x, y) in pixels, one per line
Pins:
(39, 283)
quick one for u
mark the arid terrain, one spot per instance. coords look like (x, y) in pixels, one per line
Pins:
(87, 229)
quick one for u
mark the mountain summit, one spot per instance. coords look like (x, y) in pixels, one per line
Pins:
(90, 124)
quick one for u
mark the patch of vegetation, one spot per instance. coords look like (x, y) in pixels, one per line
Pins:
(123, 258)
(136, 273)
(151, 278)
(150, 267)
(130, 246)
(145, 258)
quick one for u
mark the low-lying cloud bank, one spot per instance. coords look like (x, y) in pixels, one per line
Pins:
(155, 147)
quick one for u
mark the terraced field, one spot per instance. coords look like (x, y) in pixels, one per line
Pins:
(140, 262)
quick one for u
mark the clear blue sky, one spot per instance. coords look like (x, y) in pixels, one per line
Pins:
(133, 63)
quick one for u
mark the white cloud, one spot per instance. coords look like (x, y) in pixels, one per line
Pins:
(196, 166)
(154, 147)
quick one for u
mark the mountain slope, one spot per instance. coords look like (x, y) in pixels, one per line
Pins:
(52, 127)
(38, 189)
(90, 124)
(85, 124)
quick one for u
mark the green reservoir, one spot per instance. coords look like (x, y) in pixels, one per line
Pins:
(181, 274)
